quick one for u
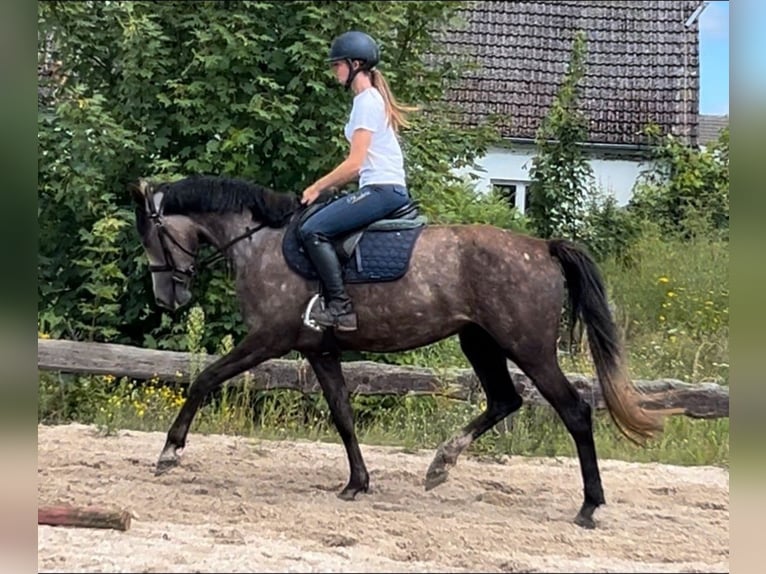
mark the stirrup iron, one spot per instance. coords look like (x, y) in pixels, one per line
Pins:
(307, 320)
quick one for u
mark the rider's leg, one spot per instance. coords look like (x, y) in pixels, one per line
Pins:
(343, 215)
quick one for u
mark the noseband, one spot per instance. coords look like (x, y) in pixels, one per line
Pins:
(180, 275)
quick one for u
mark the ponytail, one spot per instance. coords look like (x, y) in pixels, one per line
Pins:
(396, 113)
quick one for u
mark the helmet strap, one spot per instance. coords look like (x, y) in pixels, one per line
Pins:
(351, 74)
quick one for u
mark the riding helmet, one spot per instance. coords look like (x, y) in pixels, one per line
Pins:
(355, 45)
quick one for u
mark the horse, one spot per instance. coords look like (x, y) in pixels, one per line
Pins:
(501, 292)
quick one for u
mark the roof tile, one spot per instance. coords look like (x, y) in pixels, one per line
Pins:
(642, 64)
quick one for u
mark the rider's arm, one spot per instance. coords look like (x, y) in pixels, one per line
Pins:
(347, 170)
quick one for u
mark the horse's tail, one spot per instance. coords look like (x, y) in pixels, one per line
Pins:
(588, 301)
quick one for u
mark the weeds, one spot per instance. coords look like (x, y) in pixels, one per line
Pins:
(410, 421)
(673, 307)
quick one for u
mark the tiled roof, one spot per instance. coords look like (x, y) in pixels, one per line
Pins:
(710, 127)
(642, 64)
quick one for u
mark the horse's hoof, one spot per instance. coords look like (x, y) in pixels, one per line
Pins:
(349, 493)
(435, 477)
(585, 522)
(168, 460)
(351, 490)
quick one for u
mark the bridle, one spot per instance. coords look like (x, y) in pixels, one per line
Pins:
(180, 274)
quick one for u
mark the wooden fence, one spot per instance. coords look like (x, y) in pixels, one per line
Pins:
(704, 400)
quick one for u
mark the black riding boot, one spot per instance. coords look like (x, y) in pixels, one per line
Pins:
(339, 311)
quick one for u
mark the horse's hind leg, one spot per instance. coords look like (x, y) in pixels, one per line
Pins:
(328, 370)
(489, 363)
(575, 413)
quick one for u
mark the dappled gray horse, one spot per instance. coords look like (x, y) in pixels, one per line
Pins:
(501, 292)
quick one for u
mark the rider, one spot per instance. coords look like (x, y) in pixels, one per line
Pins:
(375, 157)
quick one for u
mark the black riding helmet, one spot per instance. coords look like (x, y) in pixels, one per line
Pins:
(355, 45)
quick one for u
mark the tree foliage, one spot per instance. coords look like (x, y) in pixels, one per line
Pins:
(686, 189)
(560, 173)
(168, 89)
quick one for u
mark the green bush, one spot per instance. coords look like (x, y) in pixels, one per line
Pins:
(686, 190)
(608, 230)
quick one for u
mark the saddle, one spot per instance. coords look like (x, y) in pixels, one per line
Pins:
(406, 217)
(379, 251)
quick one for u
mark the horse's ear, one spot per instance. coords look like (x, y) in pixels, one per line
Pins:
(146, 187)
(140, 190)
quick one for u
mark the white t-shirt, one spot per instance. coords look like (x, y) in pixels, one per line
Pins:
(384, 163)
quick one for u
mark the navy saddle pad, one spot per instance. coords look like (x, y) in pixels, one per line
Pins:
(378, 252)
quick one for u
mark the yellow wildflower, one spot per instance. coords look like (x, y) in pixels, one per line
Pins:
(663, 280)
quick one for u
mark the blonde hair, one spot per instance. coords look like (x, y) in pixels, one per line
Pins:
(396, 113)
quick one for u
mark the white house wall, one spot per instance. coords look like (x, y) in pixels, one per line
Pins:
(616, 176)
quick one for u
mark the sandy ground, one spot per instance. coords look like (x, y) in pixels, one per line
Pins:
(245, 505)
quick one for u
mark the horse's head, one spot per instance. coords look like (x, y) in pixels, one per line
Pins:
(173, 218)
(170, 243)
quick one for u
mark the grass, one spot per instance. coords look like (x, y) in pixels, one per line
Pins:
(411, 422)
(672, 304)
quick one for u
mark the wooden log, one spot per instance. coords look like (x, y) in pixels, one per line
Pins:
(112, 359)
(362, 377)
(84, 517)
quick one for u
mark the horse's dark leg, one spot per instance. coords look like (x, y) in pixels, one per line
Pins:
(330, 376)
(247, 354)
(547, 376)
(489, 363)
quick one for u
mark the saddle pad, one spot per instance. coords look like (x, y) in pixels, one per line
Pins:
(379, 256)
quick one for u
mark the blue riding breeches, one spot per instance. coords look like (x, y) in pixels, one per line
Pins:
(355, 210)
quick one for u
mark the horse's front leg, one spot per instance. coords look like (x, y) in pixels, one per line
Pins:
(330, 376)
(250, 352)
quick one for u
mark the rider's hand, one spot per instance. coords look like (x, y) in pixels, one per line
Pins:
(310, 195)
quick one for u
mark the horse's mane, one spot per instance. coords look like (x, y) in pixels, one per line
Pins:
(211, 194)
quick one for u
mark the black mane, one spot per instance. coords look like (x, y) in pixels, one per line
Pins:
(210, 194)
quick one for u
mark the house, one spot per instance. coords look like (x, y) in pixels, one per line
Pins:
(642, 66)
(710, 127)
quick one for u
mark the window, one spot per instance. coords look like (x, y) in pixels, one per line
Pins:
(514, 191)
(506, 190)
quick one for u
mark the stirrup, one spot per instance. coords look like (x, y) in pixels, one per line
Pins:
(307, 320)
